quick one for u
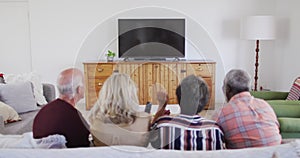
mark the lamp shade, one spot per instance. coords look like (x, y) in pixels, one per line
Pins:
(258, 28)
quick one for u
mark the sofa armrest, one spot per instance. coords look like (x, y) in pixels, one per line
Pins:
(49, 91)
(1, 124)
(270, 95)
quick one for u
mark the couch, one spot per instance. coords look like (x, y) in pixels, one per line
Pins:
(287, 150)
(25, 125)
(287, 111)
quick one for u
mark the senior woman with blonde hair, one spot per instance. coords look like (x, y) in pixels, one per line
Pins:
(115, 118)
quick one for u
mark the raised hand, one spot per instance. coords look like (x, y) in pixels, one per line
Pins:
(162, 98)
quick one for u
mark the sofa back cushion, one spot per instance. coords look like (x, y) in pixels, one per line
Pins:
(19, 96)
(34, 79)
(286, 108)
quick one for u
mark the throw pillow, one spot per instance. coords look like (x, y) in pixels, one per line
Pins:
(294, 93)
(34, 79)
(19, 96)
(8, 113)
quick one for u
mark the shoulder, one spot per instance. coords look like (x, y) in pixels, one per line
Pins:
(227, 108)
(57, 103)
(263, 105)
(183, 120)
(165, 118)
(61, 108)
(261, 101)
(51, 106)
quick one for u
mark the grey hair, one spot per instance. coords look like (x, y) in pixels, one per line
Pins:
(192, 95)
(69, 89)
(236, 81)
(117, 102)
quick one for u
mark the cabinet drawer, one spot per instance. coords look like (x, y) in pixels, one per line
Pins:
(99, 70)
(203, 70)
(96, 84)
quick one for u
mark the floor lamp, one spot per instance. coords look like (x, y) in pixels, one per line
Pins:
(257, 28)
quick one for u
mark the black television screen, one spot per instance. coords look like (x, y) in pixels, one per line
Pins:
(151, 38)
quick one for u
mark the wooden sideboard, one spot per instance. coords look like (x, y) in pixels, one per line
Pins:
(148, 76)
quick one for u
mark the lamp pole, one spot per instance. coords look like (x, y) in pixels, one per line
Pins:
(256, 65)
(258, 28)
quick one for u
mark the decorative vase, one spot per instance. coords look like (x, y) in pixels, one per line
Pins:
(110, 59)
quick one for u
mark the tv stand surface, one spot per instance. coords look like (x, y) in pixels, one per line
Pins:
(153, 59)
(147, 75)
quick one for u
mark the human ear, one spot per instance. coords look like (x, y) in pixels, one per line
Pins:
(80, 91)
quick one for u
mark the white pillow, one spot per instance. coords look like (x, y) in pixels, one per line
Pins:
(34, 79)
(8, 113)
(24, 141)
(19, 96)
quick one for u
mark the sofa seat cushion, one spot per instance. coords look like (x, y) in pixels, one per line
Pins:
(290, 125)
(286, 135)
(288, 109)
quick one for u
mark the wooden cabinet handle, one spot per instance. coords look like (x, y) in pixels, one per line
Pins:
(200, 69)
(116, 71)
(100, 84)
(100, 69)
(183, 71)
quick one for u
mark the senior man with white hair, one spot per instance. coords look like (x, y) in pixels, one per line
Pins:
(245, 120)
(60, 116)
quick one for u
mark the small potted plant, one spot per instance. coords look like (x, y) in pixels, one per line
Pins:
(110, 55)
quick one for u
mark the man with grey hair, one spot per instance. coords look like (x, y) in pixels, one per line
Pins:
(245, 120)
(187, 131)
(60, 116)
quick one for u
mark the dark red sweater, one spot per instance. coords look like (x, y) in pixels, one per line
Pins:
(60, 117)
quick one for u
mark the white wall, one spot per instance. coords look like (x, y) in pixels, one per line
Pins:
(287, 46)
(62, 29)
(14, 38)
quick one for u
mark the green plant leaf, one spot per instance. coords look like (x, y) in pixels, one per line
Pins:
(111, 53)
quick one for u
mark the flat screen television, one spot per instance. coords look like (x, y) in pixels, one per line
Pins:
(151, 38)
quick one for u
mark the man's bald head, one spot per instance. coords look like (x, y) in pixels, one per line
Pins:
(69, 81)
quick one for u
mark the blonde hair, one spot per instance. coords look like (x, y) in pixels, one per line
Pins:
(117, 101)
